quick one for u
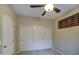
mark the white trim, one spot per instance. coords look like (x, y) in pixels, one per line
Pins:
(58, 51)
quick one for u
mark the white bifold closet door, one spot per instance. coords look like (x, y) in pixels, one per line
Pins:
(42, 37)
(26, 41)
(35, 37)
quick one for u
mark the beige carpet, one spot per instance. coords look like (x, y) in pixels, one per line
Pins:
(40, 52)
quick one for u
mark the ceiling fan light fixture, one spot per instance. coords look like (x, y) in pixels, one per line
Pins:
(49, 7)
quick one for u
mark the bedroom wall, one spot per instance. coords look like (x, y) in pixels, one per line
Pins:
(66, 40)
(0, 35)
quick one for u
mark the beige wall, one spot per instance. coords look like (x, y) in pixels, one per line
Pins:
(0, 35)
(67, 39)
(24, 21)
(6, 10)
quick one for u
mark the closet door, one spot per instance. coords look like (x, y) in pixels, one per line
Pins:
(26, 38)
(42, 37)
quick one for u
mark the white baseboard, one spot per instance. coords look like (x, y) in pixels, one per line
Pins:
(58, 51)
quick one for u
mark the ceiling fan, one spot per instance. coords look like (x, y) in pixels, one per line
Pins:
(47, 7)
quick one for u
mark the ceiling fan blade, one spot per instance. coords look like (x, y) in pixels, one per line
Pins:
(35, 6)
(43, 13)
(56, 10)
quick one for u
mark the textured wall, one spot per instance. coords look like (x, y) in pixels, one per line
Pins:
(67, 39)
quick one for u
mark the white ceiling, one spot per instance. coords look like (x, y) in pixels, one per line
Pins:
(25, 10)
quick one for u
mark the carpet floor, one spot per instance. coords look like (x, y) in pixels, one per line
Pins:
(40, 52)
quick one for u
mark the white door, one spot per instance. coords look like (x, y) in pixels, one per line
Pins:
(42, 37)
(8, 35)
(26, 38)
(35, 37)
